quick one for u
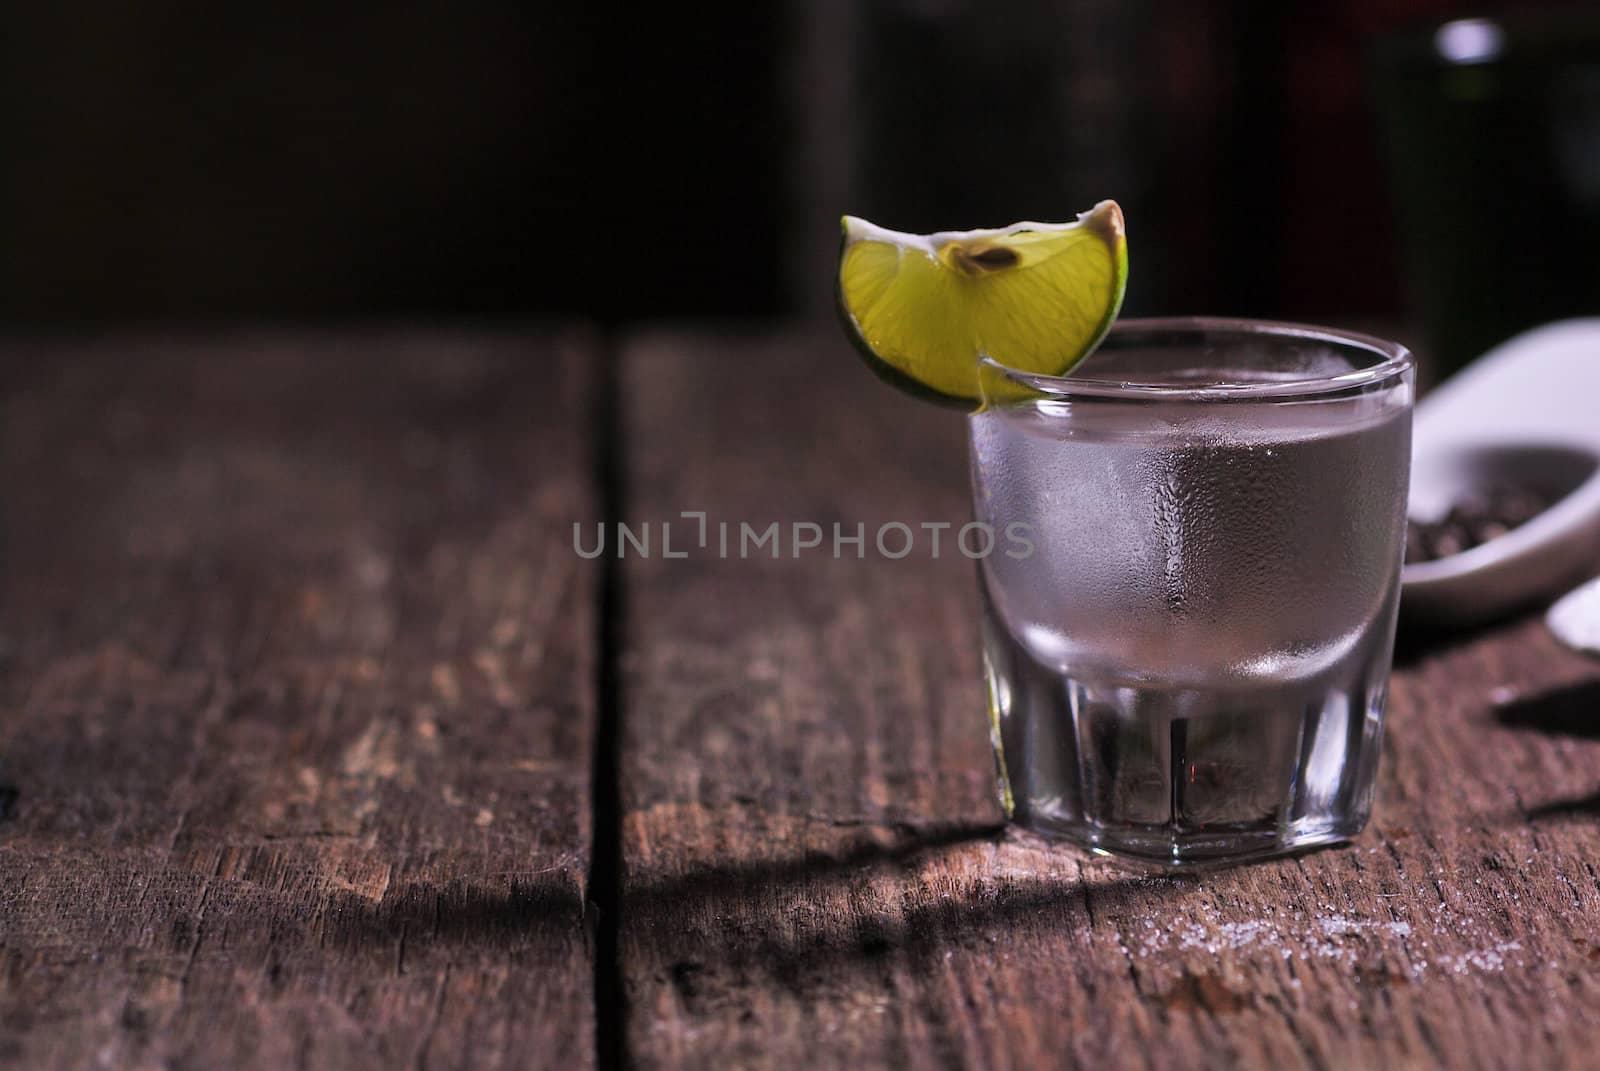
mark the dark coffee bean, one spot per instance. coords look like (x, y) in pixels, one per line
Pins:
(1519, 505)
(1452, 538)
(1485, 530)
(1469, 510)
(1475, 519)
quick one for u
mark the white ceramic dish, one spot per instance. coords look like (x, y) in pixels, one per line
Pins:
(1527, 412)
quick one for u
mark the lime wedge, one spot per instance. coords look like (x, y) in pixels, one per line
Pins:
(923, 308)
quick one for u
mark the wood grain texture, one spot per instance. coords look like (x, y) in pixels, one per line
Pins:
(297, 672)
(813, 869)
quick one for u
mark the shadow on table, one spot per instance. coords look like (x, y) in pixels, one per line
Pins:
(1569, 807)
(806, 922)
(524, 913)
(1415, 642)
(811, 920)
(1569, 710)
(534, 909)
(736, 881)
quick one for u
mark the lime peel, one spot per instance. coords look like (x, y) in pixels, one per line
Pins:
(924, 308)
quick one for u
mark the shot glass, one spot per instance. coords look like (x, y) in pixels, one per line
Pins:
(1187, 643)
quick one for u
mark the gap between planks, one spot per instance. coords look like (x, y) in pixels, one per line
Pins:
(608, 469)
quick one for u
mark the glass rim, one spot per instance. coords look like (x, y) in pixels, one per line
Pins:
(1391, 360)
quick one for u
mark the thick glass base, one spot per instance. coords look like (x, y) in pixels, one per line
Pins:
(1169, 846)
(1187, 776)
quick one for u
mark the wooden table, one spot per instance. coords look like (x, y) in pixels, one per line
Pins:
(328, 750)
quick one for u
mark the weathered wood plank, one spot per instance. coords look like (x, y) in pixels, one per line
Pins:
(812, 875)
(298, 693)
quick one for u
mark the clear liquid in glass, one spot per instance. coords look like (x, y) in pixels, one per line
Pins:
(1192, 663)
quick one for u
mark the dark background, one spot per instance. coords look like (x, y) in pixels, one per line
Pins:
(173, 159)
